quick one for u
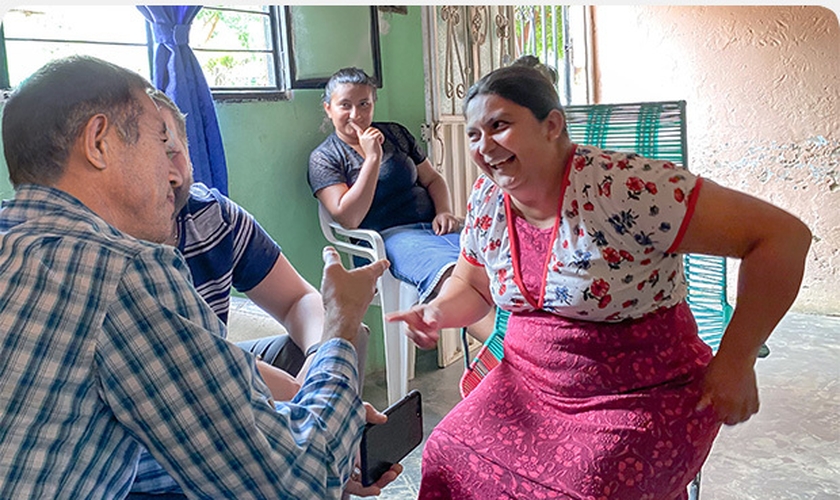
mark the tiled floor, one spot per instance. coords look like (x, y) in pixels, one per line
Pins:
(789, 451)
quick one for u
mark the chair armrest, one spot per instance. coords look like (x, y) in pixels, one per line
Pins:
(341, 238)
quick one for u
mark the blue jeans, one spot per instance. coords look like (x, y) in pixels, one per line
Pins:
(419, 256)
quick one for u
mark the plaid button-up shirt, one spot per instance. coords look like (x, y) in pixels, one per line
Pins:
(106, 346)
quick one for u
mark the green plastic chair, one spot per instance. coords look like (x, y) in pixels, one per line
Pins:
(655, 130)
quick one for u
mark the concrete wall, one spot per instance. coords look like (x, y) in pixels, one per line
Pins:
(762, 85)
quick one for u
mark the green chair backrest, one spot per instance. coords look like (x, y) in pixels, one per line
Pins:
(652, 129)
(706, 277)
(496, 340)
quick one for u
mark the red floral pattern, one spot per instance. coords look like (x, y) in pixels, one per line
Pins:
(612, 235)
(558, 422)
(596, 409)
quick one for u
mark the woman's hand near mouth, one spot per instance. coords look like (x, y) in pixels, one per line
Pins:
(370, 140)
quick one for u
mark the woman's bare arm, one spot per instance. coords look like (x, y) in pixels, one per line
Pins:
(445, 221)
(463, 300)
(772, 245)
(349, 205)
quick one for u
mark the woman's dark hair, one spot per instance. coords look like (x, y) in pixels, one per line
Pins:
(521, 83)
(534, 62)
(353, 76)
(48, 111)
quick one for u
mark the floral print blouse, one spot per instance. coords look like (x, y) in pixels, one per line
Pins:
(620, 218)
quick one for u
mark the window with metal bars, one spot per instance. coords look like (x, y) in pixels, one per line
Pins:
(239, 47)
(556, 35)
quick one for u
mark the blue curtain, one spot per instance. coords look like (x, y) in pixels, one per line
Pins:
(177, 72)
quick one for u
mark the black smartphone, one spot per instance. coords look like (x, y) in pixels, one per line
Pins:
(384, 445)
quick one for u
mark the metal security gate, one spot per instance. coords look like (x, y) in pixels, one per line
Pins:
(461, 44)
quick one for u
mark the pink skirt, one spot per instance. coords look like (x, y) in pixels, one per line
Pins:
(579, 410)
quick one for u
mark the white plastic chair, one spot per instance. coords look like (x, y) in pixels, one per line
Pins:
(392, 295)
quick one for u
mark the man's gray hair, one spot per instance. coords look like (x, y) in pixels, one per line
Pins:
(47, 113)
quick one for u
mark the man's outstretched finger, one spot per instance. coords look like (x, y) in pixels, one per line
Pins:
(378, 267)
(330, 256)
(374, 416)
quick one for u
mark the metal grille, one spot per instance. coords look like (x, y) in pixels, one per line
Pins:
(467, 42)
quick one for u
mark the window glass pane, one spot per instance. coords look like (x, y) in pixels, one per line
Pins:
(230, 30)
(316, 30)
(233, 44)
(24, 58)
(237, 69)
(124, 23)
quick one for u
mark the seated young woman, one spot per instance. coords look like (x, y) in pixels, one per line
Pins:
(374, 175)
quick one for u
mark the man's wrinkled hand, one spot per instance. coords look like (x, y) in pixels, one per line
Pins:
(354, 486)
(347, 294)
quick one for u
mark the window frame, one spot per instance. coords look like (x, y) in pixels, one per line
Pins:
(279, 54)
(280, 24)
(320, 82)
(281, 90)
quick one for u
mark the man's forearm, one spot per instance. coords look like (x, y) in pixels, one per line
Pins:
(305, 321)
(317, 433)
(333, 366)
(283, 386)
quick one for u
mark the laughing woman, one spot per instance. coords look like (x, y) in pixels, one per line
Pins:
(605, 389)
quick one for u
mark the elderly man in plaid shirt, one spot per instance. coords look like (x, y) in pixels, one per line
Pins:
(106, 344)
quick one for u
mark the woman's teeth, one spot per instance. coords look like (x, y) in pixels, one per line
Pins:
(499, 163)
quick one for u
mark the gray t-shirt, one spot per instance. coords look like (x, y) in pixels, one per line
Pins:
(399, 197)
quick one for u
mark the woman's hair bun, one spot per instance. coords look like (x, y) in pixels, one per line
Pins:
(534, 62)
